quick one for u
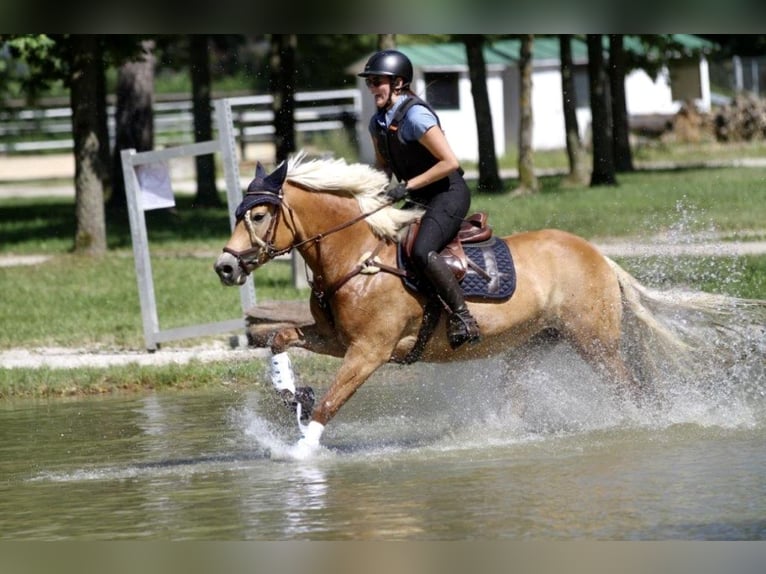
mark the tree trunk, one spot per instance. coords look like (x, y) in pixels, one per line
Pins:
(85, 62)
(105, 159)
(571, 127)
(133, 118)
(282, 78)
(386, 41)
(489, 177)
(207, 194)
(623, 159)
(528, 182)
(603, 159)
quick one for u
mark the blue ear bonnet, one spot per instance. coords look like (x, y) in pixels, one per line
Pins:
(263, 189)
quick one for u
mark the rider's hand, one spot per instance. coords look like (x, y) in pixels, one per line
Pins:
(396, 193)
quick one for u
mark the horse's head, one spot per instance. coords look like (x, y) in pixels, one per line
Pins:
(254, 239)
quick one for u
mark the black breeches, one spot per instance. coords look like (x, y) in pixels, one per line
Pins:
(441, 221)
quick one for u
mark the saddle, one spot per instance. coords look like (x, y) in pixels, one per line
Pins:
(492, 275)
(473, 229)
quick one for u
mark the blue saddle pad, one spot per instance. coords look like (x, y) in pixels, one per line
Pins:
(494, 258)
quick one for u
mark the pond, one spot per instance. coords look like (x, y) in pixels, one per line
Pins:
(420, 453)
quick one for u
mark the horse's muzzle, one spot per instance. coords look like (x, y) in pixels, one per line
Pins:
(229, 271)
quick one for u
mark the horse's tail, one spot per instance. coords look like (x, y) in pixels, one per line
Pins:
(683, 331)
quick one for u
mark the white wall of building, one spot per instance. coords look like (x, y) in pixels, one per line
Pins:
(459, 125)
(644, 95)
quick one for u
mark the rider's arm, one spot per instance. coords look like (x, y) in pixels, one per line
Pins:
(436, 143)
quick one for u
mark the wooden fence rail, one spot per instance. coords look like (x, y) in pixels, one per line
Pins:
(34, 130)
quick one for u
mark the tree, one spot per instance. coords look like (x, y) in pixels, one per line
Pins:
(199, 62)
(528, 182)
(386, 41)
(133, 117)
(623, 157)
(79, 61)
(603, 158)
(84, 65)
(282, 87)
(489, 177)
(569, 96)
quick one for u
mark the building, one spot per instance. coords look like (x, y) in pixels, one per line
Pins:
(441, 77)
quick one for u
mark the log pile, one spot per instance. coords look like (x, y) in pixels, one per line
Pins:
(689, 125)
(744, 119)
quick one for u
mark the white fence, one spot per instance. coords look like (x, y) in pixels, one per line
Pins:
(131, 160)
(34, 130)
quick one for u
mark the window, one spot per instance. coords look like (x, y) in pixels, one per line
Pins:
(442, 90)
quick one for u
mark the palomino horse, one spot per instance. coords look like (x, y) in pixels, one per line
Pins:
(337, 216)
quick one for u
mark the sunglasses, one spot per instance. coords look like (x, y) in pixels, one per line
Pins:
(374, 82)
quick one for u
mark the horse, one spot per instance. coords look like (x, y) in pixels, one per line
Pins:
(338, 218)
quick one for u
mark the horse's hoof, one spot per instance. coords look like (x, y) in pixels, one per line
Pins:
(303, 450)
(303, 396)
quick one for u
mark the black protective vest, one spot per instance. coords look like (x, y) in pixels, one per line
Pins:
(406, 159)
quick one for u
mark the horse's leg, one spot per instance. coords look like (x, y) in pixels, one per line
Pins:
(318, 337)
(360, 361)
(598, 343)
(310, 337)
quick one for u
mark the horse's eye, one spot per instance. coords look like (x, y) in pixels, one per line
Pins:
(257, 217)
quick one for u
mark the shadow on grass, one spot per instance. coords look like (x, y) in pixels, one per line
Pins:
(49, 224)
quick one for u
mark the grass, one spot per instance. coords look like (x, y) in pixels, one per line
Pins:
(76, 301)
(648, 152)
(643, 203)
(44, 383)
(743, 276)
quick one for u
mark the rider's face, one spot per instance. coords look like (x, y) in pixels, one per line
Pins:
(380, 88)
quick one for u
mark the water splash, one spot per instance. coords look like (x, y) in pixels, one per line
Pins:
(690, 227)
(536, 394)
(708, 370)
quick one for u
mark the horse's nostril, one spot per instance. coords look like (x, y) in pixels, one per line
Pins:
(224, 270)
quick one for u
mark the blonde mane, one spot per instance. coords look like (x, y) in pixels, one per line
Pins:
(357, 180)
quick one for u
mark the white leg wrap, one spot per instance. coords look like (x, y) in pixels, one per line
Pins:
(282, 376)
(308, 445)
(312, 432)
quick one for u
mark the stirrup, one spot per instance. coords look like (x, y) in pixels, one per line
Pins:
(462, 328)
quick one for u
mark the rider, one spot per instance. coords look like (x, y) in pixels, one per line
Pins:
(410, 144)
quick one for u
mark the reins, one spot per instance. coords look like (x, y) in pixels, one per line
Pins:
(265, 247)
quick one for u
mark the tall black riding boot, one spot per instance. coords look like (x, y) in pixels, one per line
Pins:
(461, 326)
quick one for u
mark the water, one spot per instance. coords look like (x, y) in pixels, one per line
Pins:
(533, 450)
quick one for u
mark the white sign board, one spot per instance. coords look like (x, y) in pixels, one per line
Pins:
(156, 189)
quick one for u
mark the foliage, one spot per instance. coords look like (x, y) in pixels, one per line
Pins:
(31, 64)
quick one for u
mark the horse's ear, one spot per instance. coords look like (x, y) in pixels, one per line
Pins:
(277, 177)
(260, 173)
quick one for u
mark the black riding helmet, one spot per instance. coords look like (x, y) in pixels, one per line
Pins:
(389, 63)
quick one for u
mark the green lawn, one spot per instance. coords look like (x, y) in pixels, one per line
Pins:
(73, 300)
(76, 301)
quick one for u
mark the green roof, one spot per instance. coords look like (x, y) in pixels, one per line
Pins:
(446, 54)
(546, 48)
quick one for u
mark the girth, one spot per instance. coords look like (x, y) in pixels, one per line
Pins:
(474, 229)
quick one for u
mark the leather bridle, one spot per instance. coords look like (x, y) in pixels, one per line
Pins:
(263, 250)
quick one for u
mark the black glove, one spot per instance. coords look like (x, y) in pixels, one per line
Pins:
(396, 193)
